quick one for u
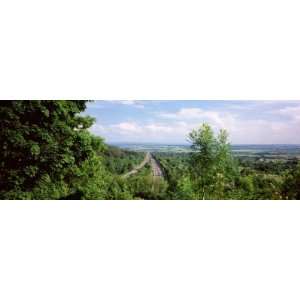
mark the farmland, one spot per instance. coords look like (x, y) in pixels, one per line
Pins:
(280, 152)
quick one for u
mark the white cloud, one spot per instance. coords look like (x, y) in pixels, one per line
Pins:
(241, 130)
(138, 132)
(184, 113)
(217, 119)
(97, 128)
(174, 127)
(127, 102)
(154, 128)
(127, 127)
(292, 112)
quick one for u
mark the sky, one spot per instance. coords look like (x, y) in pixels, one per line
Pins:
(169, 122)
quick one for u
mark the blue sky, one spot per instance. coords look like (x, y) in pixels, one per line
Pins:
(248, 122)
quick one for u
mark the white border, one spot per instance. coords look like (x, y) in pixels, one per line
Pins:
(149, 250)
(137, 50)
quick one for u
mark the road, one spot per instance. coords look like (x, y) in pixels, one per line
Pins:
(140, 166)
(155, 167)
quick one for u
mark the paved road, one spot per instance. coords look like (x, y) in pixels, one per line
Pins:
(140, 166)
(155, 167)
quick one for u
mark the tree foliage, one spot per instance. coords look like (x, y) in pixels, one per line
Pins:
(212, 166)
(47, 151)
(291, 185)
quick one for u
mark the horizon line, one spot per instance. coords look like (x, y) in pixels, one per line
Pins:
(186, 144)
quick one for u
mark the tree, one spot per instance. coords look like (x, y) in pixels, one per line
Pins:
(212, 166)
(47, 152)
(291, 184)
(185, 189)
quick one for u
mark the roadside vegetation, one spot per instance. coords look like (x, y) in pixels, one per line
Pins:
(47, 152)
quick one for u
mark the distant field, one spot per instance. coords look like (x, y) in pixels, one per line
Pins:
(265, 151)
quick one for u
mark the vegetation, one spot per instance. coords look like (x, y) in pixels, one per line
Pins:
(47, 152)
(120, 161)
(211, 172)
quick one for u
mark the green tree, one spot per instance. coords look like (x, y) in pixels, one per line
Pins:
(291, 184)
(185, 189)
(47, 152)
(212, 166)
